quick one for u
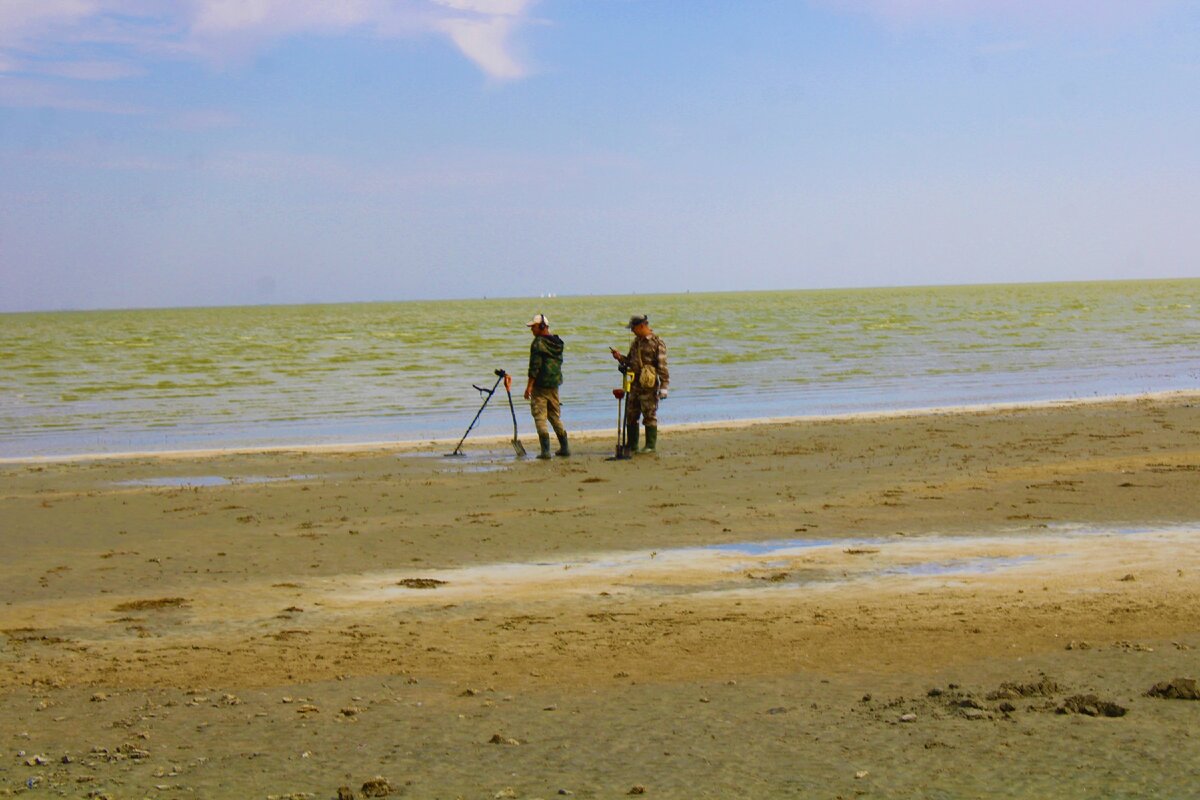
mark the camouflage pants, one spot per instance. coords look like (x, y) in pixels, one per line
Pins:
(643, 403)
(546, 410)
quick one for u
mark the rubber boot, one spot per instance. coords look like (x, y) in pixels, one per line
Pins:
(544, 441)
(651, 439)
(631, 437)
(563, 448)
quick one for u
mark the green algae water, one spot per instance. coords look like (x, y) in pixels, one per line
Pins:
(117, 381)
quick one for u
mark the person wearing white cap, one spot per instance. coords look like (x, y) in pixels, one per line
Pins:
(545, 376)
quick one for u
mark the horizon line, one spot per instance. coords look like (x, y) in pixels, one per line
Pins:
(556, 296)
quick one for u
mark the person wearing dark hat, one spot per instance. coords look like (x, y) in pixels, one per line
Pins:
(647, 362)
(545, 376)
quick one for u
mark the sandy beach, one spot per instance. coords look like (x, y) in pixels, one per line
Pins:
(955, 603)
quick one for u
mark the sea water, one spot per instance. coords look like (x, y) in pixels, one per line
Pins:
(163, 379)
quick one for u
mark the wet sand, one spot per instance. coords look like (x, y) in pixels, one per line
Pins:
(949, 604)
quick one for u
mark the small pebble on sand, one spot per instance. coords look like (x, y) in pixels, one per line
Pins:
(498, 739)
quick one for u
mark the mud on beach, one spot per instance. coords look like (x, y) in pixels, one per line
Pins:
(976, 603)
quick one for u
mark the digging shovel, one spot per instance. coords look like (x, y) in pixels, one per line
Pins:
(518, 448)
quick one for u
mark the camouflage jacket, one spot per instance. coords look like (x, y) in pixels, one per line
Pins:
(545, 361)
(653, 351)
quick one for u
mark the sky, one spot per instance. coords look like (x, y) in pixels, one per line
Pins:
(229, 152)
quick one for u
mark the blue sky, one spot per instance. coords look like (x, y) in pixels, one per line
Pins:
(278, 151)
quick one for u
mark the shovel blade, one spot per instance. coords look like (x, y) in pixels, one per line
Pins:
(518, 448)
(623, 453)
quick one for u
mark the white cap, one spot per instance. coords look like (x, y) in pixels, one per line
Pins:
(538, 319)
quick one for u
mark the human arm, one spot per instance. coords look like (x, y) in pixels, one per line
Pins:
(664, 376)
(535, 366)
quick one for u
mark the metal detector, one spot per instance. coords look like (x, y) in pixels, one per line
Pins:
(624, 451)
(489, 392)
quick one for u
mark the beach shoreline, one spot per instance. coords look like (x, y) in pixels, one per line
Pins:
(499, 440)
(852, 594)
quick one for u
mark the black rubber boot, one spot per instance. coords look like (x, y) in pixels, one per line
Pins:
(544, 440)
(651, 439)
(563, 448)
(631, 437)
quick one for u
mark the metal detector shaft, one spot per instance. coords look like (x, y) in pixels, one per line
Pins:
(489, 392)
(620, 426)
(622, 399)
(626, 385)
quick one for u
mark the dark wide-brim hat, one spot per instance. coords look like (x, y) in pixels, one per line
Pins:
(637, 319)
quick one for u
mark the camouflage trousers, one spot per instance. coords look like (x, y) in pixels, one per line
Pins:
(546, 410)
(642, 402)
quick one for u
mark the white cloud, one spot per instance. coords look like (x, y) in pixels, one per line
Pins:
(486, 42)
(29, 17)
(114, 39)
(496, 8)
(281, 17)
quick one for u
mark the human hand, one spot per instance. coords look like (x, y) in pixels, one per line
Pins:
(528, 393)
(662, 394)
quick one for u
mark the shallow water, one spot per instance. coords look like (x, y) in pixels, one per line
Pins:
(113, 381)
(768, 566)
(968, 566)
(472, 468)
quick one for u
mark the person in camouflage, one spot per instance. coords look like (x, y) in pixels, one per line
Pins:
(647, 361)
(545, 376)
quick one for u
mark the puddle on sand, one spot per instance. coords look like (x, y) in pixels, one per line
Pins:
(966, 566)
(490, 461)
(777, 575)
(460, 468)
(747, 580)
(768, 566)
(191, 481)
(780, 546)
(466, 456)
